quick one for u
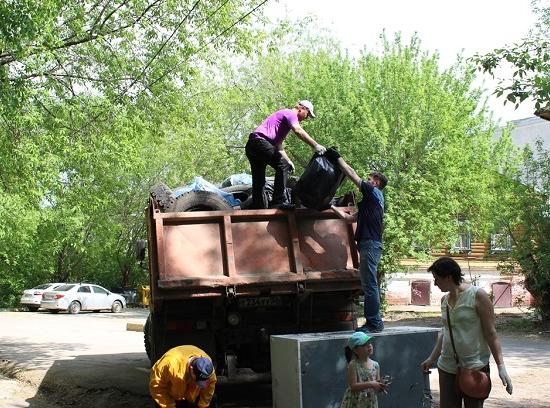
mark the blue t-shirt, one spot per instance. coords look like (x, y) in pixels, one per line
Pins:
(370, 223)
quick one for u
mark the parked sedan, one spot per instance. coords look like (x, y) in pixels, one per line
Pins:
(31, 297)
(75, 297)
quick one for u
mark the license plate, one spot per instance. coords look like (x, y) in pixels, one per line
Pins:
(260, 301)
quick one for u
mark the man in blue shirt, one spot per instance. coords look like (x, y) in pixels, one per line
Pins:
(368, 235)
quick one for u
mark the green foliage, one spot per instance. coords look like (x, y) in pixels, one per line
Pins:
(98, 103)
(396, 113)
(113, 47)
(530, 60)
(101, 104)
(524, 213)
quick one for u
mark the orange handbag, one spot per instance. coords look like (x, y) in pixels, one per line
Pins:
(470, 382)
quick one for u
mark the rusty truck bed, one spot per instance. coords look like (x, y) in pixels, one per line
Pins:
(210, 253)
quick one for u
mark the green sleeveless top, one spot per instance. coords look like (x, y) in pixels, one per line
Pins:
(470, 343)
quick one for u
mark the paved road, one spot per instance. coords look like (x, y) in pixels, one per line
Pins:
(93, 361)
(86, 354)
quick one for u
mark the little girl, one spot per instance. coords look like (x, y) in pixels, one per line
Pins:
(363, 374)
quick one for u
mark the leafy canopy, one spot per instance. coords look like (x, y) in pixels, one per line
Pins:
(530, 61)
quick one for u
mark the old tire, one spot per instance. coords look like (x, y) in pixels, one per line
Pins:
(201, 201)
(242, 192)
(116, 307)
(148, 338)
(163, 196)
(74, 307)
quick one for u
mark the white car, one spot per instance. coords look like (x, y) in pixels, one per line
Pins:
(31, 298)
(74, 297)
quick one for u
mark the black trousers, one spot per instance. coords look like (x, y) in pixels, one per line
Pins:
(449, 397)
(260, 154)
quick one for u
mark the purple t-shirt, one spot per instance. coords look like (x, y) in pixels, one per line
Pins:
(276, 126)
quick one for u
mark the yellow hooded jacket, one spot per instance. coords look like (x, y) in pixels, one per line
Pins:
(171, 382)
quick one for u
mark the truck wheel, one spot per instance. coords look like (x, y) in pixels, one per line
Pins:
(147, 338)
(164, 197)
(201, 201)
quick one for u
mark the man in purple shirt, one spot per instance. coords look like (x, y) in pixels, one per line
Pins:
(265, 147)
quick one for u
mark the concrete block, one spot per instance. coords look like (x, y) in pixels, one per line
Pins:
(138, 327)
(309, 370)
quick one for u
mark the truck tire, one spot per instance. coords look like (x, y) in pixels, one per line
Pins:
(164, 197)
(242, 192)
(201, 201)
(238, 191)
(147, 338)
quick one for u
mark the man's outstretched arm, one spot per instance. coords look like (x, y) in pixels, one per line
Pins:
(304, 136)
(349, 218)
(350, 173)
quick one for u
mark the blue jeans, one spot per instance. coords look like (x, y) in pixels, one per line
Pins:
(370, 253)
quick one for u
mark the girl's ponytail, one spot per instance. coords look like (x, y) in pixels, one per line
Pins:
(348, 353)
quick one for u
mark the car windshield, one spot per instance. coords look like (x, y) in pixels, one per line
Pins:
(64, 288)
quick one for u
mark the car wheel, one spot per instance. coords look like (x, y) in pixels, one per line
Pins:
(116, 307)
(74, 307)
(32, 308)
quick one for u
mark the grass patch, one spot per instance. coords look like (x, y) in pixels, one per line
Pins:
(522, 324)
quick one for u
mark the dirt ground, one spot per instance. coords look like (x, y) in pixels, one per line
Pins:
(523, 339)
(529, 375)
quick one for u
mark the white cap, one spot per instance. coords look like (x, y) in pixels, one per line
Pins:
(309, 106)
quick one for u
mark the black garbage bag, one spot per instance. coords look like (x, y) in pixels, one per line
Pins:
(319, 182)
(268, 193)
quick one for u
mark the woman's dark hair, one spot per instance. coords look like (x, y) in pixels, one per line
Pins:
(446, 266)
(348, 353)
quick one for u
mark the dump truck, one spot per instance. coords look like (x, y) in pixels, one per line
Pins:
(226, 280)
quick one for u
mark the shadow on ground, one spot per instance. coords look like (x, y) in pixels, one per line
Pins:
(99, 381)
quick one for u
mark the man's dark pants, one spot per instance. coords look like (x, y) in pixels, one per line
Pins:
(449, 397)
(261, 153)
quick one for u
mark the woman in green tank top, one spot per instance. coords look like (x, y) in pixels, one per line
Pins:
(475, 336)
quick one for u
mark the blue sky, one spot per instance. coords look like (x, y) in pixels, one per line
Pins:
(449, 27)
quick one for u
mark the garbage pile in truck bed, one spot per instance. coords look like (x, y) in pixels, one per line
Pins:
(314, 189)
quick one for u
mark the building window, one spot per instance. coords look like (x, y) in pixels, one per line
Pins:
(463, 243)
(501, 243)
